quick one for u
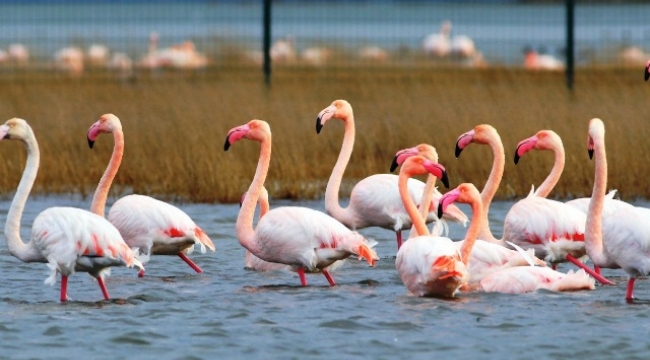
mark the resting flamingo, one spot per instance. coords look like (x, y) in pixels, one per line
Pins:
(374, 201)
(486, 257)
(150, 225)
(553, 229)
(67, 239)
(306, 239)
(622, 238)
(432, 265)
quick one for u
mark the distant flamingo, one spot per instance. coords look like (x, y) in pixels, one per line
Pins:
(70, 60)
(374, 201)
(438, 44)
(304, 238)
(153, 226)
(67, 239)
(622, 239)
(553, 229)
(432, 265)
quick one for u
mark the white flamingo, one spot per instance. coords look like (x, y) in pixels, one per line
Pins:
(438, 44)
(151, 225)
(67, 239)
(375, 200)
(306, 239)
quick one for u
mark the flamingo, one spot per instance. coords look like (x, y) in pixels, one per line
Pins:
(486, 257)
(67, 239)
(646, 74)
(374, 201)
(433, 265)
(438, 44)
(523, 279)
(151, 225)
(71, 60)
(621, 239)
(306, 239)
(553, 229)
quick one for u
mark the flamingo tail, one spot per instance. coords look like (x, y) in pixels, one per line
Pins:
(447, 265)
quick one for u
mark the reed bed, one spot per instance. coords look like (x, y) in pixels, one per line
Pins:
(175, 126)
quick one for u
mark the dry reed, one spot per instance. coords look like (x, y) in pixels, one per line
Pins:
(175, 126)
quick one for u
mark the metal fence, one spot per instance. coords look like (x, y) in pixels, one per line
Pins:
(128, 36)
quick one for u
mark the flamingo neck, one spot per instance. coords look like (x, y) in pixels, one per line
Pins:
(24, 252)
(98, 204)
(554, 176)
(244, 225)
(472, 231)
(425, 203)
(492, 185)
(332, 205)
(594, 224)
(417, 220)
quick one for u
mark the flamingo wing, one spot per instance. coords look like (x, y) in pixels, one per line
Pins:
(626, 240)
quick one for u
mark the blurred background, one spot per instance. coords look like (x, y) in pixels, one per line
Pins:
(124, 37)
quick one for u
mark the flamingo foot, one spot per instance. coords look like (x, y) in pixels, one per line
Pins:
(329, 277)
(64, 288)
(190, 262)
(303, 279)
(629, 297)
(399, 239)
(102, 286)
(589, 271)
(141, 273)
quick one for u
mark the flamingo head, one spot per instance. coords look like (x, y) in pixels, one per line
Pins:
(465, 193)
(107, 123)
(257, 130)
(419, 165)
(426, 150)
(543, 140)
(647, 71)
(482, 134)
(15, 129)
(596, 130)
(339, 109)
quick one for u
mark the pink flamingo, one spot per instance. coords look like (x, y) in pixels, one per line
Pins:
(374, 201)
(621, 239)
(304, 238)
(553, 229)
(67, 239)
(432, 265)
(150, 225)
(486, 257)
(523, 279)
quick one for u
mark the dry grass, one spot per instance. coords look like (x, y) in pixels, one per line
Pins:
(175, 126)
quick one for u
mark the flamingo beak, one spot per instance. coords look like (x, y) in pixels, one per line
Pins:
(323, 116)
(394, 164)
(647, 71)
(93, 133)
(591, 153)
(226, 146)
(458, 150)
(447, 199)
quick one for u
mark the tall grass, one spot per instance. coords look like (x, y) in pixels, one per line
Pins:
(175, 126)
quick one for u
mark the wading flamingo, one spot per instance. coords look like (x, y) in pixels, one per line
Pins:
(152, 226)
(431, 265)
(375, 200)
(553, 229)
(67, 239)
(304, 238)
(438, 44)
(486, 257)
(622, 238)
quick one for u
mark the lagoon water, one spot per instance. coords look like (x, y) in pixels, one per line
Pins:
(234, 313)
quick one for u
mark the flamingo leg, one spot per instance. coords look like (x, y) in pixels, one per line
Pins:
(554, 266)
(596, 276)
(329, 277)
(630, 289)
(303, 279)
(102, 286)
(189, 262)
(597, 269)
(64, 288)
(399, 239)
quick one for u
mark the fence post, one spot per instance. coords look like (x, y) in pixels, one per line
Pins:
(266, 42)
(570, 51)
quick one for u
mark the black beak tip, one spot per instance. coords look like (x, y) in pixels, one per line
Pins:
(516, 158)
(319, 126)
(591, 154)
(445, 180)
(647, 73)
(226, 146)
(458, 151)
(440, 211)
(394, 164)
(90, 143)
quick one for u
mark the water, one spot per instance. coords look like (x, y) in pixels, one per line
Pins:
(500, 30)
(234, 313)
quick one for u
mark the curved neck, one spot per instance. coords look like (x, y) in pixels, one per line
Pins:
(491, 186)
(594, 224)
(334, 183)
(472, 231)
(24, 252)
(551, 180)
(410, 207)
(244, 225)
(101, 193)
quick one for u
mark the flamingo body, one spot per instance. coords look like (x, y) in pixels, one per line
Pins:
(523, 279)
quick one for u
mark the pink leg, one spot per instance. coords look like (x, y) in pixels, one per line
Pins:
(102, 286)
(303, 279)
(329, 277)
(189, 262)
(399, 239)
(597, 269)
(630, 289)
(596, 276)
(64, 288)
(141, 273)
